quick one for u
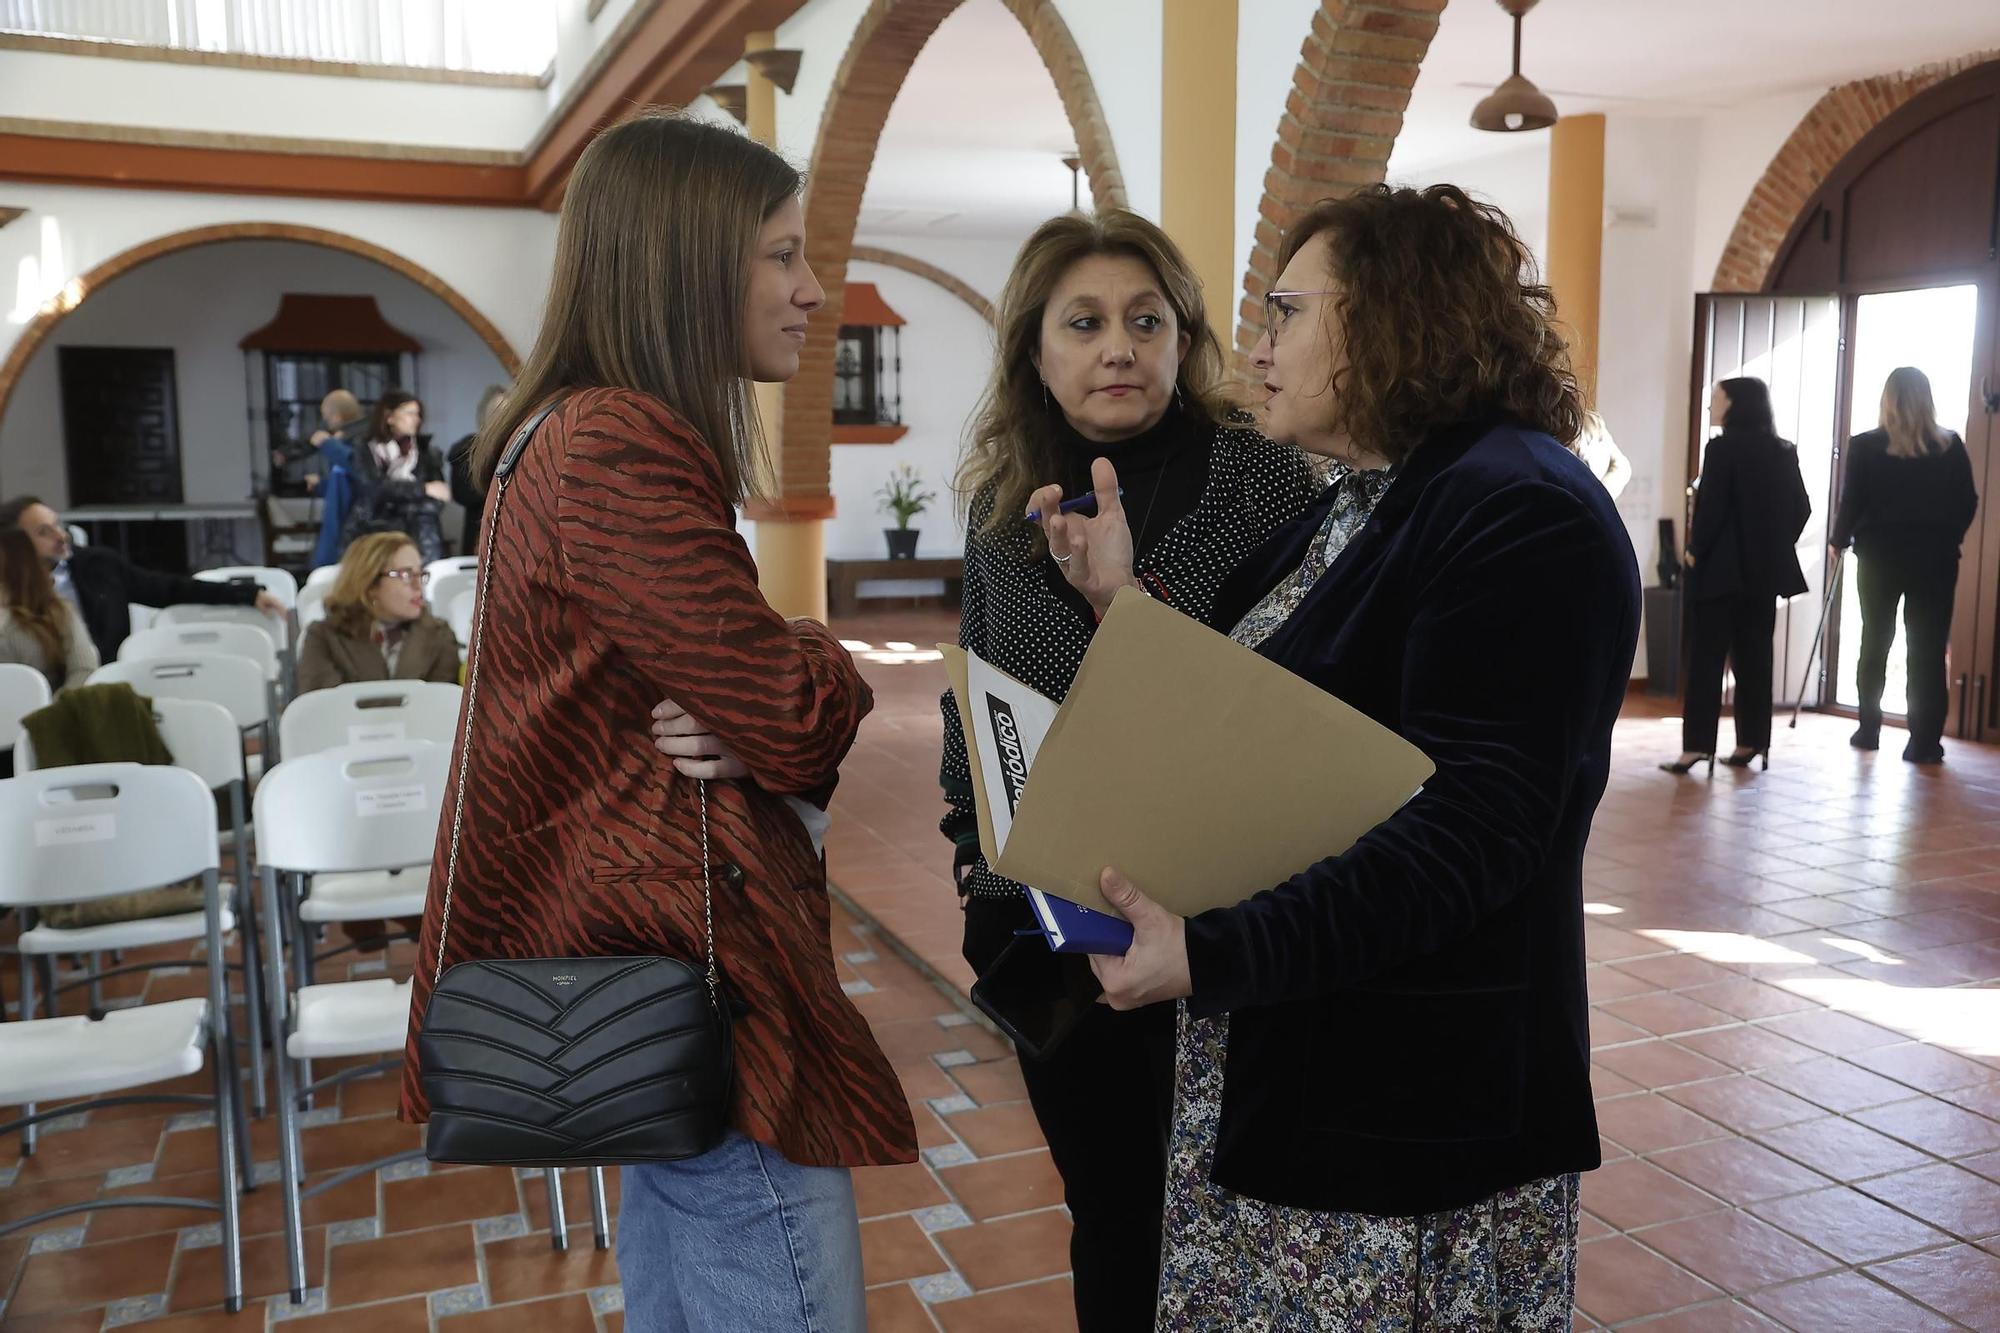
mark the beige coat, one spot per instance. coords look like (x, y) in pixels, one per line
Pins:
(328, 657)
(80, 656)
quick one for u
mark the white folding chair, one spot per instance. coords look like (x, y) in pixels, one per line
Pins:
(459, 615)
(446, 587)
(451, 564)
(22, 690)
(237, 683)
(203, 739)
(365, 712)
(213, 637)
(280, 629)
(312, 606)
(321, 575)
(77, 834)
(278, 582)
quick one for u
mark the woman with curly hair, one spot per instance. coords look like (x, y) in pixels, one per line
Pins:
(1383, 1080)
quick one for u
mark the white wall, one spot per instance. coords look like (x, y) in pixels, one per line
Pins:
(498, 259)
(1120, 42)
(223, 100)
(1516, 180)
(1270, 34)
(1736, 145)
(201, 303)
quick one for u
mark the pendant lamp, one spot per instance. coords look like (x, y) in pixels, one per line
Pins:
(1517, 104)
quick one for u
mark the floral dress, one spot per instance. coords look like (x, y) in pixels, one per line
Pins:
(1506, 1264)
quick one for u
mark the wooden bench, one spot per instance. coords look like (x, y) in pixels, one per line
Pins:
(845, 577)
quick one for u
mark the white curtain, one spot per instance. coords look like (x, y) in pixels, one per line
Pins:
(495, 36)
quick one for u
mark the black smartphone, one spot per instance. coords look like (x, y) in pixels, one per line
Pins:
(1035, 994)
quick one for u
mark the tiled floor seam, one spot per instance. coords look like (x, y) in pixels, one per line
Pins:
(877, 932)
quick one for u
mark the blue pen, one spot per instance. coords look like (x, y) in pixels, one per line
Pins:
(1071, 506)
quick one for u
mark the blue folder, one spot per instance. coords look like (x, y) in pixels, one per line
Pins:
(1072, 929)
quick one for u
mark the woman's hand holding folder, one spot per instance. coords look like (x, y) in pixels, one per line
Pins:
(1155, 968)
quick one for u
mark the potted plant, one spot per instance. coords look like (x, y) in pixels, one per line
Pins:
(903, 495)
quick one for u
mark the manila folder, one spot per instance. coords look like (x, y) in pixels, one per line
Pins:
(1204, 772)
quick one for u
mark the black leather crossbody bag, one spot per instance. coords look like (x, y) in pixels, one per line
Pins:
(570, 1061)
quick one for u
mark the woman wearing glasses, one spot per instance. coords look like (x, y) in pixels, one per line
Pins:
(376, 626)
(1383, 1097)
(1105, 353)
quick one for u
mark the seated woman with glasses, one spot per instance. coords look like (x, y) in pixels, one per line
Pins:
(377, 626)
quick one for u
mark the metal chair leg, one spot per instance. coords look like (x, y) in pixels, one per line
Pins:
(600, 1214)
(29, 967)
(277, 996)
(232, 1135)
(558, 1217)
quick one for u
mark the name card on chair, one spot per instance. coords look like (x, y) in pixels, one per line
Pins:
(363, 733)
(78, 828)
(373, 801)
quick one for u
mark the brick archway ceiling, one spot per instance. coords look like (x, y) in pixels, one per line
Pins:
(885, 44)
(875, 254)
(1349, 92)
(1836, 123)
(38, 329)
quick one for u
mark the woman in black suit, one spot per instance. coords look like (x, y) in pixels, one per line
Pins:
(1906, 504)
(1742, 557)
(1383, 1077)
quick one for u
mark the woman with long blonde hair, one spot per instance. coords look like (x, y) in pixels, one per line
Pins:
(377, 625)
(38, 626)
(1108, 378)
(1905, 504)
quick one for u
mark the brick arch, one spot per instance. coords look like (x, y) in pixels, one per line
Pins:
(38, 329)
(963, 290)
(1836, 123)
(1349, 92)
(885, 44)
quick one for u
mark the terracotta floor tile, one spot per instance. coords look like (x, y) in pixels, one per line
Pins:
(1743, 1104)
(1713, 1317)
(1985, 1099)
(1015, 1249)
(1835, 1084)
(1675, 971)
(1739, 1171)
(1935, 1126)
(87, 1321)
(92, 1275)
(18, 1201)
(881, 1190)
(375, 1270)
(1604, 1083)
(351, 1142)
(1666, 1013)
(198, 1274)
(1737, 1252)
(1966, 1205)
(1603, 983)
(991, 1081)
(1746, 1047)
(1634, 1193)
(1607, 1030)
(202, 1321)
(896, 1309)
(560, 1314)
(527, 1266)
(448, 1196)
(895, 1249)
(1849, 1225)
(1617, 1280)
(1842, 1149)
(1836, 1034)
(1648, 1122)
(1924, 1067)
(1846, 1301)
(1005, 1185)
(95, 1149)
(1046, 1307)
(1659, 1064)
(1963, 1282)
(391, 1317)
(931, 1131)
(992, 1131)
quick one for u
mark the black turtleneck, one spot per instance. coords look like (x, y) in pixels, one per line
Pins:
(1162, 471)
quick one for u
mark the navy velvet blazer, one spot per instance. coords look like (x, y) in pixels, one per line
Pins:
(1408, 1025)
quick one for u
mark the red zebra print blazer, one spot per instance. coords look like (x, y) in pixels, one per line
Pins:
(617, 579)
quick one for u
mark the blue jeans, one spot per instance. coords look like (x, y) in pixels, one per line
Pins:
(739, 1238)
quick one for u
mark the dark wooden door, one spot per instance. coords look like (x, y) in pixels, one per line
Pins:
(121, 425)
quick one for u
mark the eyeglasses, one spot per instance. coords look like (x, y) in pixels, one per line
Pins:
(416, 577)
(1275, 317)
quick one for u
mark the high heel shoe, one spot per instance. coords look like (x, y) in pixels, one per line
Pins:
(1687, 765)
(1744, 760)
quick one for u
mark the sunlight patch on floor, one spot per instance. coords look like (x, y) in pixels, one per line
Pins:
(1965, 1020)
(1727, 946)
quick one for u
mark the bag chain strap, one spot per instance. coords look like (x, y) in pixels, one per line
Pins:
(465, 755)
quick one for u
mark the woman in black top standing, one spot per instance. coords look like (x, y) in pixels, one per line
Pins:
(1104, 353)
(1906, 503)
(1748, 515)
